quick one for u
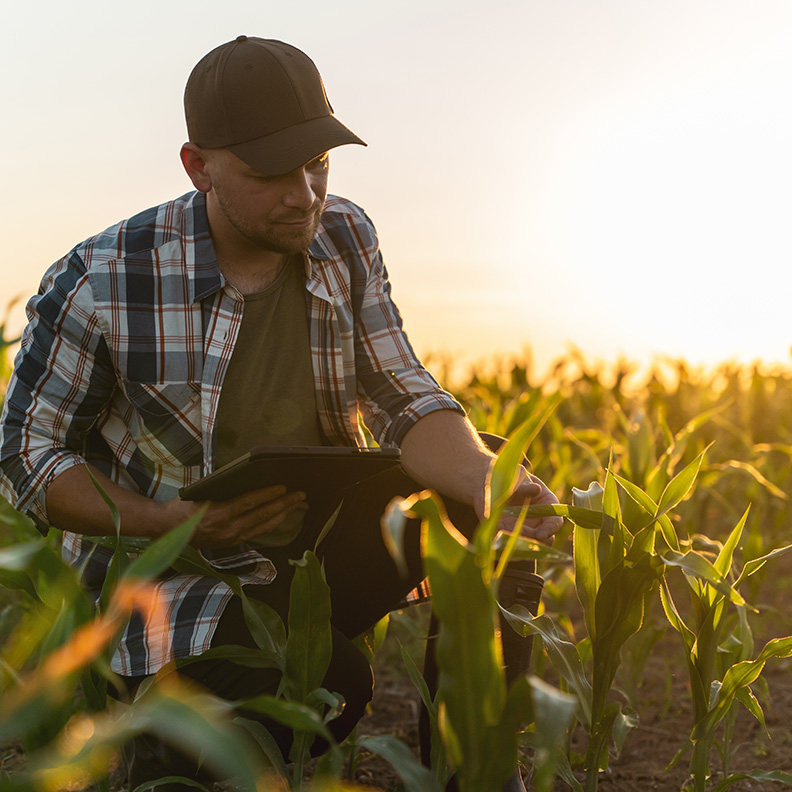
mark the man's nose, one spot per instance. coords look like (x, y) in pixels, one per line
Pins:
(301, 191)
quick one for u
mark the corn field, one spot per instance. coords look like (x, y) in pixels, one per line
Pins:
(675, 488)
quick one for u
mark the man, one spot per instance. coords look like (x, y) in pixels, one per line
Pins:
(253, 311)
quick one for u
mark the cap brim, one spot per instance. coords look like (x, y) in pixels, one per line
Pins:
(289, 148)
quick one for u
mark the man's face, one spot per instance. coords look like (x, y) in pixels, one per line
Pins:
(273, 213)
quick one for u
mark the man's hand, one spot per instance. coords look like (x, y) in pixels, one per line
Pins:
(443, 451)
(249, 516)
(533, 491)
(529, 491)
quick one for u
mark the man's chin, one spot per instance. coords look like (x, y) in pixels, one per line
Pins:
(296, 240)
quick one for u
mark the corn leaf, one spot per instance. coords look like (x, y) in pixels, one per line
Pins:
(680, 486)
(266, 742)
(416, 778)
(164, 551)
(297, 716)
(552, 712)
(504, 473)
(736, 677)
(757, 563)
(761, 776)
(650, 507)
(471, 685)
(309, 644)
(562, 653)
(587, 573)
(697, 566)
(723, 563)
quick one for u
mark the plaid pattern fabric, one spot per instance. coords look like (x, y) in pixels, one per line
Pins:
(122, 365)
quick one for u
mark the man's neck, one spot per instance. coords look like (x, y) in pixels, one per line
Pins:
(249, 267)
(251, 276)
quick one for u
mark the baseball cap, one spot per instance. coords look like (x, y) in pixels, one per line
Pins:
(263, 100)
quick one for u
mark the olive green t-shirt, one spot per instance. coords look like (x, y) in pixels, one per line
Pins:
(268, 396)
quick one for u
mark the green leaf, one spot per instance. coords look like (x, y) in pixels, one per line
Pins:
(163, 552)
(195, 723)
(746, 697)
(241, 655)
(266, 742)
(504, 474)
(298, 717)
(393, 524)
(676, 621)
(439, 761)
(762, 776)
(264, 623)
(418, 681)
(471, 685)
(697, 566)
(309, 644)
(626, 721)
(650, 507)
(680, 485)
(587, 573)
(18, 581)
(585, 518)
(552, 713)
(562, 653)
(18, 557)
(120, 561)
(590, 498)
(738, 676)
(723, 563)
(526, 549)
(321, 697)
(758, 477)
(754, 566)
(416, 778)
(619, 614)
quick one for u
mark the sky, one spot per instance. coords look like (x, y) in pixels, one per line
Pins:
(609, 175)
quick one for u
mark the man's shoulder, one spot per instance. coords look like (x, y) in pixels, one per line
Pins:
(145, 231)
(344, 227)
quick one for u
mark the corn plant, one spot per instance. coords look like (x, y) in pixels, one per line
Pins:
(477, 717)
(718, 650)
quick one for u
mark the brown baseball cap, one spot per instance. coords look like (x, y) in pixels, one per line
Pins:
(264, 101)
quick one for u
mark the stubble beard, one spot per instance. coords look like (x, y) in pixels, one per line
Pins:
(274, 237)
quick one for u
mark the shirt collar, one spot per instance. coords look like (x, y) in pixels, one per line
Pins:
(207, 275)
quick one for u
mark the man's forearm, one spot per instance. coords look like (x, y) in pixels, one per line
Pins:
(442, 451)
(74, 504)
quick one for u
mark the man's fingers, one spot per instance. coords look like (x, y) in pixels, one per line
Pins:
(267, 496)
(268, 523)
(524, 492)
(272, 509)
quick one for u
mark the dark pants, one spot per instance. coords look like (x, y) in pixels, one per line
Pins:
(364, 584)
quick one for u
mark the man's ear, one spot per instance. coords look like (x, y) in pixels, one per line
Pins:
(194, 160)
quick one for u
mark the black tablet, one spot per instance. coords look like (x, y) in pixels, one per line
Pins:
(314, 470)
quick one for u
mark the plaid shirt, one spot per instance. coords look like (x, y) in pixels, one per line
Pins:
(122, 365)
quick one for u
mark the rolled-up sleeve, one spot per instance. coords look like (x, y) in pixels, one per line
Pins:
(394, 389)
(61, 382)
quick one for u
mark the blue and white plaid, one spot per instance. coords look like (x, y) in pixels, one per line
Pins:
(122, 365)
